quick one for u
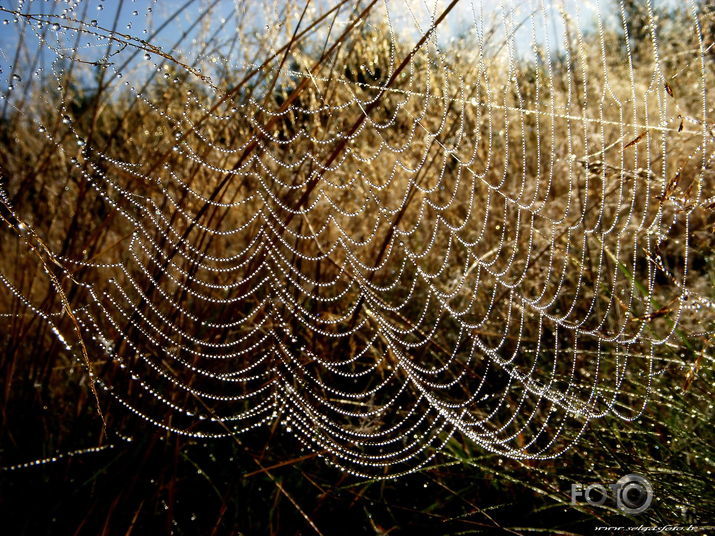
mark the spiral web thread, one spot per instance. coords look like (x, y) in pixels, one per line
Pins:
(375, 224)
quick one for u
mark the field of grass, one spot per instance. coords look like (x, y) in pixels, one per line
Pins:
(354, 267)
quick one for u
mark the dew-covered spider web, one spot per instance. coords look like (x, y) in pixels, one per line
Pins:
(374, 224)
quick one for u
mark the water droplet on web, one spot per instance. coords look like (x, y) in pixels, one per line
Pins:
(55, 26)
(16, 76)
(66, 119)
(93, 23)
(147, 56)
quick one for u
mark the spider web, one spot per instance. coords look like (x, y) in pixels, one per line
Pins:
(376, 225)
